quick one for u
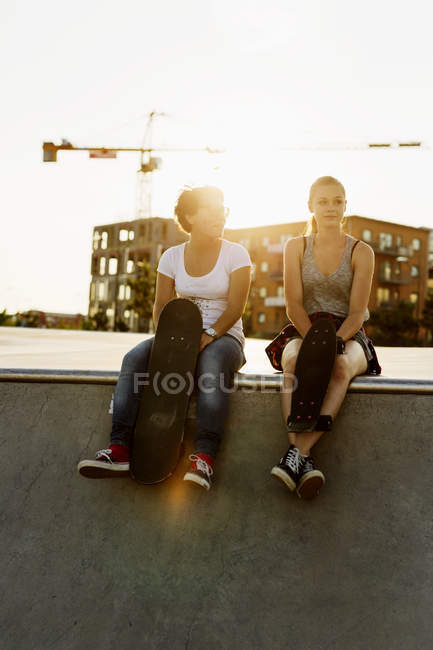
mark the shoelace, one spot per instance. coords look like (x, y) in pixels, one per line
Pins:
(201, 465)
(294, 460)
(104, 453)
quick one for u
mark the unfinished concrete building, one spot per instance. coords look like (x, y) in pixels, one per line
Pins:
(116, 251)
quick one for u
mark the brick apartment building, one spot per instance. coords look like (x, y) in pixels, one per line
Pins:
(404, 256)
(401, 270)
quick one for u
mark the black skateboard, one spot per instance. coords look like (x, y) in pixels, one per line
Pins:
(313, 370)
(159, 429)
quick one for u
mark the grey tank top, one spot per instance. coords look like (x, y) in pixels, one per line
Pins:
(329, 293)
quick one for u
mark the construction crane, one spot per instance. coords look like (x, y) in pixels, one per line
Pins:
(148, 162)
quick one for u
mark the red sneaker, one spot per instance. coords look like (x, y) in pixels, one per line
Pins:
(108, 463)
(200, 470)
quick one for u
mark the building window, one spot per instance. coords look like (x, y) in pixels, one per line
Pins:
(261, 318)
(262, 292)
(280, 292)
(131, 235)
(121, 294)
(264, 267)
(102, 262)
(416, 244)
(245, 242)
(253, 271)
(123, 235)
(413, 297)
(396, 295)
(92, 291)
(127, 292)
(129, 266)
(414, 271)
(112, 266)
(399, 241)
(385, 241)
(385, 270)
(104, 239)
(126, 313)
(265, 241)
(96, 238)
(101, 291)
(110, 312)
(366, 235)
(382, 295)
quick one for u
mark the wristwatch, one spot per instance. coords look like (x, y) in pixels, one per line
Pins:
(211, 332)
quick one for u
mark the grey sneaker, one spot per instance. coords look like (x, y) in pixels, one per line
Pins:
(310, 480)
(289, 468)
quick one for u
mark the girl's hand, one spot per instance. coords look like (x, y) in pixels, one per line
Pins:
(205, 340)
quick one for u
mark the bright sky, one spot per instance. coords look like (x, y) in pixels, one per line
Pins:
(251, 77)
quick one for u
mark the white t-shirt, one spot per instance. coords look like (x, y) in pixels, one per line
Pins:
(209, 292)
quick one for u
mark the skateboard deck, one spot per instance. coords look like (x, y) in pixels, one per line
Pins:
(313, 370)
(160, 422)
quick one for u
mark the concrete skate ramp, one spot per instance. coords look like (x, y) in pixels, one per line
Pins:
(88, 564)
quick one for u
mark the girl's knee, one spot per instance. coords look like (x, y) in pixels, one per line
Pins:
(137, 358)
(288, 363)
(341, 371)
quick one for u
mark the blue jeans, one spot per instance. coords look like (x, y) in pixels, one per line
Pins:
(216, 366)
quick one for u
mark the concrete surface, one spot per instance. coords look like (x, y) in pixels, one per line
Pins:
(75, 349)
(112, 564)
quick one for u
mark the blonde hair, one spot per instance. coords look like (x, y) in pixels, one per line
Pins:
(311, 226)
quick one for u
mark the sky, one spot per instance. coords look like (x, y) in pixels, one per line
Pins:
(290, 90)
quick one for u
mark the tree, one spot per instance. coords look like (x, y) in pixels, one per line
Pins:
(88, 324)
(427, 318)
(29, 318)
(395, 325)
(120, 326)
(143, 294)
(5, 318)
(98, 321)
(101, 320)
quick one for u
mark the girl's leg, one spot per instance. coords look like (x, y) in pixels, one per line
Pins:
(128, 391)
(346, 367)
(296, 468)
(216, 366)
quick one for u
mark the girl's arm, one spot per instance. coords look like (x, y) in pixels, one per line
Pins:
(163, 294)
(237, 299)
(363, 269)
(293, 290)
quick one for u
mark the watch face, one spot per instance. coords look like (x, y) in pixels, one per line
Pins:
(210, 331)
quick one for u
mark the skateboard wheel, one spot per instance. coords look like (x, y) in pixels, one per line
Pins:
(315, 331)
